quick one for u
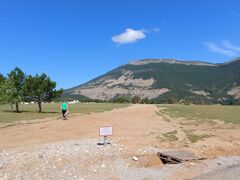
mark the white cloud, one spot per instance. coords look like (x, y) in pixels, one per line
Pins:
(231, 46)
(129, 36)
(226, 49)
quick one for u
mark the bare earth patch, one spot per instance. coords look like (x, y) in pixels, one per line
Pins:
(107, 88)
(57, 149)
(235, 92)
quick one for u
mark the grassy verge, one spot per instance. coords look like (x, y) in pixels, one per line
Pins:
(228, 114)
(171, 136)
(193, 138)
(29, 112)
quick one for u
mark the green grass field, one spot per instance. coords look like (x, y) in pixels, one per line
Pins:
(229, 114)
(29, 112)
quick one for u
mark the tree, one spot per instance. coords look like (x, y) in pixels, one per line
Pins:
(121, 99)
(14, 86)
(185, 101)
(8, 93)
(171, 101)
(136, 100)
(41, 88)
(145, 101)
(2, 79)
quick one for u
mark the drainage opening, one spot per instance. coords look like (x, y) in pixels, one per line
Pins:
(177, 157)
(166, 159)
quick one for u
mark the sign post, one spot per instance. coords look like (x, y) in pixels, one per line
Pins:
(105, 140)
(105, 131)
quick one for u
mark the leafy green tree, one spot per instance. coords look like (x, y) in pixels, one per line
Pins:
(145, 101)
(2, 79)
(41, 88)
(14, 86)
(185, 101)
(121, 99)
(8, 93)
(2, 89)
(136, 100)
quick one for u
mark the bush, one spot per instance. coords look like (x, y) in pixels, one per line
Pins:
(185, 101)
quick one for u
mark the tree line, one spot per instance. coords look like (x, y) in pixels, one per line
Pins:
(17, 87)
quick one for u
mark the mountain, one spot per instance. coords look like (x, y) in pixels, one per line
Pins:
(166, 80)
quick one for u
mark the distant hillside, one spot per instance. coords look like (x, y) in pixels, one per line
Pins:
(167, 80)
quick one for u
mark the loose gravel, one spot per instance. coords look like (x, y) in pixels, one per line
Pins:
(84, 159)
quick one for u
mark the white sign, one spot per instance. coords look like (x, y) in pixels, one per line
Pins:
(106, 131)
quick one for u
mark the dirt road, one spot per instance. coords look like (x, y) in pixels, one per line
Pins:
(129, 124)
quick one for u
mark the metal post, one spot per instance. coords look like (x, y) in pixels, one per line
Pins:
(105, 140)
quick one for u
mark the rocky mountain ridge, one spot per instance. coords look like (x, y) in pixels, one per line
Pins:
(164, 79)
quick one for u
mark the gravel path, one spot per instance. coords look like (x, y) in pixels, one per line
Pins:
(84, 159)
(75, 159)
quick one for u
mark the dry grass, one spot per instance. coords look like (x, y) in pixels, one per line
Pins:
(171, 136)
(204, 113)
(193, 138)
(29, 112)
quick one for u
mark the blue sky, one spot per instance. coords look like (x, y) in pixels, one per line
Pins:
(74, 41)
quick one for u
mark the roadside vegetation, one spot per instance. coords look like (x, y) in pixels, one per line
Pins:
(228, 114)
(193, 137)
(171, 136)
(18, 87)
(29, 112)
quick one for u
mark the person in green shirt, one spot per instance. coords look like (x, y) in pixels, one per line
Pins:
(64, 108)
